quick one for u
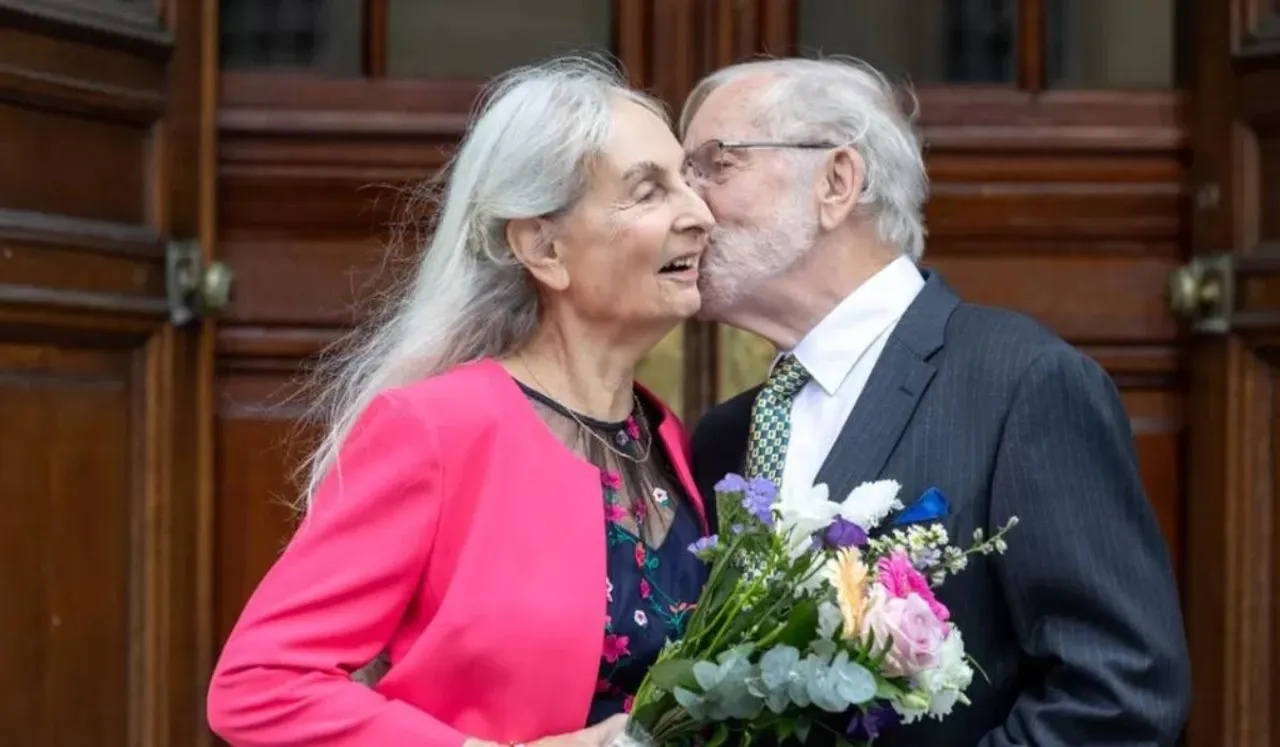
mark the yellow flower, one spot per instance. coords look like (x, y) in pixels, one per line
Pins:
(847, 573)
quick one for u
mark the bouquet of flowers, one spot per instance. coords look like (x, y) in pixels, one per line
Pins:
(808, 622)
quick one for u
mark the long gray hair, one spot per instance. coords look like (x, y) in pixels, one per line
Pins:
(525, 154)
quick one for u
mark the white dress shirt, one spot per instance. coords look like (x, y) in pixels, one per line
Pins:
(839, 354)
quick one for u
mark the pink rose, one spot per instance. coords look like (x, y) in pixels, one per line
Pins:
(901, 579)
(917, 634)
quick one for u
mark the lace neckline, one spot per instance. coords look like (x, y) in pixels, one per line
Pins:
(594, 423)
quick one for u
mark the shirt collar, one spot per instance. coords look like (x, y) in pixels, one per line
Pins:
(832, 348)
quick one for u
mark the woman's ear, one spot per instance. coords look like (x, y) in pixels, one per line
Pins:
(533, 242)
(840, 186)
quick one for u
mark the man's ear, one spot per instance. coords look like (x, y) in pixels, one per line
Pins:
(533, 242)
(839, 186)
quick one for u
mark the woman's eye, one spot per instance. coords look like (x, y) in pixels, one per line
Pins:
(649, 192)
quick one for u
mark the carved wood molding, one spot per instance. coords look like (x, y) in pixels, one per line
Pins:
(279, 349)
(42, 70)
(60, 93)
(84, 301)
(122, 25)
(79, 233)
(993, 120)
(119, 267)
(1142, 366)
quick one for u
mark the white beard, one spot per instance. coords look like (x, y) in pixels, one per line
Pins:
(740, 257)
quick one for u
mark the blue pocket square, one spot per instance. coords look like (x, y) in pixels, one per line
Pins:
(932, 505)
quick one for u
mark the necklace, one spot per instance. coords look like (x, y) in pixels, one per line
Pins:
(645, 440)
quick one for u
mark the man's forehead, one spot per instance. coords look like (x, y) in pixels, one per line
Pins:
(726, 113)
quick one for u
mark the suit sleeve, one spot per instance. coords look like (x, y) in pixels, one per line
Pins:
(333, 599)
(1087, 575)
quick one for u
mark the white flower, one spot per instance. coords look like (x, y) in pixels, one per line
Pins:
(946, 682)
(912, 706)
(801, 513)
(870, 502)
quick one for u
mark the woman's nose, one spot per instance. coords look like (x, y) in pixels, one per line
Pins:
(698, 212)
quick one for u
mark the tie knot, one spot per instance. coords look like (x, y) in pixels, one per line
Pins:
(787, 378)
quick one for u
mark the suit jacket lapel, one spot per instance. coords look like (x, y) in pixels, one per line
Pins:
(898, 381)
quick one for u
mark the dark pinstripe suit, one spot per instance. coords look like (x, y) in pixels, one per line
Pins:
(1078, 626)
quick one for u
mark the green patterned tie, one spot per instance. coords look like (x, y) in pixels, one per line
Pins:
(771, 420)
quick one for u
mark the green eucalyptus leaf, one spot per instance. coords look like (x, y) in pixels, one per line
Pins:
(673, 673)
(719, 736)
(802, 728)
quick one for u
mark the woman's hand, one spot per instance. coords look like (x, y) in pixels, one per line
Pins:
(599, 735)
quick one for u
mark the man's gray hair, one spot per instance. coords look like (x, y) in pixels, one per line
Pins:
(847, 102)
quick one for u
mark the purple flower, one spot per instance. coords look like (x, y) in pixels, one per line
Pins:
(763, 488)
(709, 542)
(731, 483)
(737, 529)
(867, 725)
(843, 533)
(760, 505)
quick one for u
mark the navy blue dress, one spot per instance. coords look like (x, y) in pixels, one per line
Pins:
(653, 579)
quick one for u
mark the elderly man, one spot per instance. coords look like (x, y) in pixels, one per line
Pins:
(816, 178)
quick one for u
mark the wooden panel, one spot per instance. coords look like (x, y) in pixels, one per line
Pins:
(67, 633)
(1232, 573)
(100, 133)
(57, 262)
(56, 163)
(1084, 299)
(1159, 433)
(259, 439)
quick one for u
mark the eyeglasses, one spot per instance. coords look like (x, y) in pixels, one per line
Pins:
(706, 162)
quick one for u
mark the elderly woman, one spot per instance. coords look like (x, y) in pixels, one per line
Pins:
(497, 505)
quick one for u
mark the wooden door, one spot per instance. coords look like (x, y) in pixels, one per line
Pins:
(1231, 292)
(105, 142)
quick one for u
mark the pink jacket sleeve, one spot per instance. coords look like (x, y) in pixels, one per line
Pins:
(333, 599)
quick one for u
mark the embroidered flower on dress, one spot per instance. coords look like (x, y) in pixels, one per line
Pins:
(640, 555)
(633, 429)
(611, 480)
(615, 646)
(641, 618)
(615, 513)
(644, 589)
(660, 496)
(608, 589)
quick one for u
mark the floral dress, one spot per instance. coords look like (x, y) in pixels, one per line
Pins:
(653, 580)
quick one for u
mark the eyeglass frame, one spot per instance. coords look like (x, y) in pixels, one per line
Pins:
(751, 145)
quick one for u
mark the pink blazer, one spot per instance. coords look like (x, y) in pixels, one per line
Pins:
(463, 538)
